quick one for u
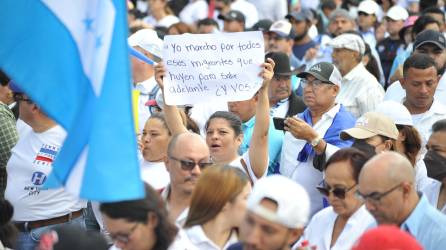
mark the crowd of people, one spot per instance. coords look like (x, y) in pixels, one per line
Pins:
(342, 147)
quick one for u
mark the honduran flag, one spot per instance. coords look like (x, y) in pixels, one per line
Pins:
(71, 58)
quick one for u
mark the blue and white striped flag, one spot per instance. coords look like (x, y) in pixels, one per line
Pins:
(71, 58)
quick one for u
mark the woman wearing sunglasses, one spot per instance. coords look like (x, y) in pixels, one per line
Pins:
(139, 224)
(224, 130)
(215, 213)
(338, 226)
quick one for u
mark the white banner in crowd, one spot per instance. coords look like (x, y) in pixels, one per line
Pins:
(212, 67)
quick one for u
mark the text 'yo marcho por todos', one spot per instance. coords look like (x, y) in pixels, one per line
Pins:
(212, 67)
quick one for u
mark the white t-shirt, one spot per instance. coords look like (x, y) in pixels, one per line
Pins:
(421, 178)
(194, 11)
(155, 174)
(320, 229)
(28, 169)
(194, 238)
(181, 219)
(238, 164)
(248, 9)
(164, 22)
(423, 122)
(432, 191)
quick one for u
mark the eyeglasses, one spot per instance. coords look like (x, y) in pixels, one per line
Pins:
(19, 97)
(188, 165)
(315, 84)
(337, 191)
(123, 238)
(375, 197)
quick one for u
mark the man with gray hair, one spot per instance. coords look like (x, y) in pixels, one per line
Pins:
(360, 90)
(278, 210)
(387, 186)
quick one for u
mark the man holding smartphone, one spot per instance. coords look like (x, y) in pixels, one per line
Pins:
(315, 132)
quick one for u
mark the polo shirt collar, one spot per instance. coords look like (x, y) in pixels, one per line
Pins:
(414, 219)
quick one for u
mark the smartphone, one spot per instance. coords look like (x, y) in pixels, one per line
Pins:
(279, 123)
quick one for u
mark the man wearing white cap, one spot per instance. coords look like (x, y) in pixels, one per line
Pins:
(360, 90)
(147, 42)
(278, 210)
(367, 18)
(388, 47)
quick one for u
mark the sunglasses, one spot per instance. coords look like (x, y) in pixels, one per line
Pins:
(19, 97)
(337, 191)
(188, 165)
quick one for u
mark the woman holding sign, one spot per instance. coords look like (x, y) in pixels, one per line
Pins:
(224, 129)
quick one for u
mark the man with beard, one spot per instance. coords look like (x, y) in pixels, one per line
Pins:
(301, 22)
(360, 90)
(420, 82)
(187, 155)
(433, 44)
(435, 160)
(387, 187)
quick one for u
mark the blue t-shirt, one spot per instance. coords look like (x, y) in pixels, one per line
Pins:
(300, 50)
(275, 139)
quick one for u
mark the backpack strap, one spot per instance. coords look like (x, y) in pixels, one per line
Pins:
(245, 167)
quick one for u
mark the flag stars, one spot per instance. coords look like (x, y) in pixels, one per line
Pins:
(88, 22)
(98, 41)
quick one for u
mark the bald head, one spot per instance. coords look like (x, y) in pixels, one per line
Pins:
(187, 141)
(389, 167)
(387, 184)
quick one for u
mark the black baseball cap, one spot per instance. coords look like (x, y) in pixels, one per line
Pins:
(430, 36)
(233, 15)
(324, 71)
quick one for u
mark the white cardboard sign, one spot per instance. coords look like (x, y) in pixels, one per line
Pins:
(212, 67)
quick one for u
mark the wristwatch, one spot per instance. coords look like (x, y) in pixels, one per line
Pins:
(316, 141)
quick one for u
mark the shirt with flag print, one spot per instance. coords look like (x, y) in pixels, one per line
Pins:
(28, 168)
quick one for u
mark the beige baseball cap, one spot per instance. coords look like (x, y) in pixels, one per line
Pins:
(369, 125)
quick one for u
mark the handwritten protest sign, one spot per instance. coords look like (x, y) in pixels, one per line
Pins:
(212, 67)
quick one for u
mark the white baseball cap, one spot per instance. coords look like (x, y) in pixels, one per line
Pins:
(283, 28)
(397, 13)
(293, 203)
(148, 40)
(349, 41)
(395, 110)
(369, 6)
